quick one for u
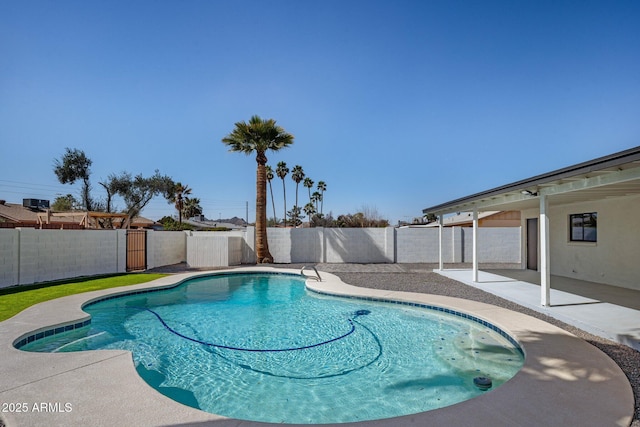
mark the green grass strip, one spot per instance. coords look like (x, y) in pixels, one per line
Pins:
(15, 299)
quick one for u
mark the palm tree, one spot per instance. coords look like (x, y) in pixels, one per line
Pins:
(308, 182)
(309, 209)
(322, 186)
(259, 136)
(273, 202)
(282, 170)
(191, 207)
(177, 197)
(297, 175)
(315, 198)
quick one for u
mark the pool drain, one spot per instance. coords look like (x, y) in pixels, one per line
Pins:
(483, 383)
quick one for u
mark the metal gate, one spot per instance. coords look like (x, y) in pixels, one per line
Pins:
(136, 250)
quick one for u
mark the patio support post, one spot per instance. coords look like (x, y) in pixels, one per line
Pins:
(440, 232)
(475, 244)
(545, 257)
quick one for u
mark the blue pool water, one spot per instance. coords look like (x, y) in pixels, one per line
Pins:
(262, 347)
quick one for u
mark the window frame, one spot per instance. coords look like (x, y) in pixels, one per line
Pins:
(583, 222)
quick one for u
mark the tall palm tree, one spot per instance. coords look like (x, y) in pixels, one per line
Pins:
(322, 187)
(273, 202)
(297, 175)
(308, 182)
(282, 170)
(177, 197)
(259, 136)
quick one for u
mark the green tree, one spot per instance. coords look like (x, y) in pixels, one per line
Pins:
(257, 137)
(73, 166)
(282, 170)
(65, 203)
(138, 191)
(270, 177)
(296, 216)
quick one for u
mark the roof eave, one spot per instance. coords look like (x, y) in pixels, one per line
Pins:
(612, 160)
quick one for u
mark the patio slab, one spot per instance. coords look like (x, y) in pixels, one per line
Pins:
(564, 381)
(586, 305)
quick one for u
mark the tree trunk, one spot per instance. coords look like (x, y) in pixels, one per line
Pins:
(284, 195)
(262, 246)
(273, 204)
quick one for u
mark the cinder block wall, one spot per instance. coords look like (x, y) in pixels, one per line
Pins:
(31, 255)
(45, 255)
(9, 255)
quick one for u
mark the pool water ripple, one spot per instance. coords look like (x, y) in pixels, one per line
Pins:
(330, 359)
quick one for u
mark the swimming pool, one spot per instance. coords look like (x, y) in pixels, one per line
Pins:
(262, 347)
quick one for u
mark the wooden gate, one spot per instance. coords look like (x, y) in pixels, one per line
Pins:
(136, 250)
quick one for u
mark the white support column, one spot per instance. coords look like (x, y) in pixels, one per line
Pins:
(545, 257)
(475, 244)
(440, 232)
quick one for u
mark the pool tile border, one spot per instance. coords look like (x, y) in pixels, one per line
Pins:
(445, 310)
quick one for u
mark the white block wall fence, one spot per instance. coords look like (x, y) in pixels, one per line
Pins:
(30, 255)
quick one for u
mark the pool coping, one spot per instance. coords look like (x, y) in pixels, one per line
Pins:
(564, 380)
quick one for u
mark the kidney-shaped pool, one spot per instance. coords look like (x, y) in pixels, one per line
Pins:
(262, 347)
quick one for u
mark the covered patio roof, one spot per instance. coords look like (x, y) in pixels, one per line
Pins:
(614, 175)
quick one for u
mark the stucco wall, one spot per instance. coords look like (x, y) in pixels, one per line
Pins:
(613, 259)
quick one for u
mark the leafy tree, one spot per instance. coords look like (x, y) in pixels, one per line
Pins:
(65, 203)
(270, 177)
(259, 136)
(176, 196)
(367, 217)
(282, 170)
(296, 216)
(73, 166)
(138, 191)
(170, 224)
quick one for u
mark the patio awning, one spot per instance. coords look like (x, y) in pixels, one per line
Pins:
(615, 175)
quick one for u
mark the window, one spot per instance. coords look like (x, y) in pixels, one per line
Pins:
(583, 227)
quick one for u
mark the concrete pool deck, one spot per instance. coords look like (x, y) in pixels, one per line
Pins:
(564, 381)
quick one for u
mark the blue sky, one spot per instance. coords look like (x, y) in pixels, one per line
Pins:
(397, 106)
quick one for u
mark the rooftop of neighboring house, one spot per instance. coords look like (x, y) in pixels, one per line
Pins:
(21, 215)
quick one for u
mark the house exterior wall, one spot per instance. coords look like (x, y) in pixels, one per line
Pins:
(613, 259)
